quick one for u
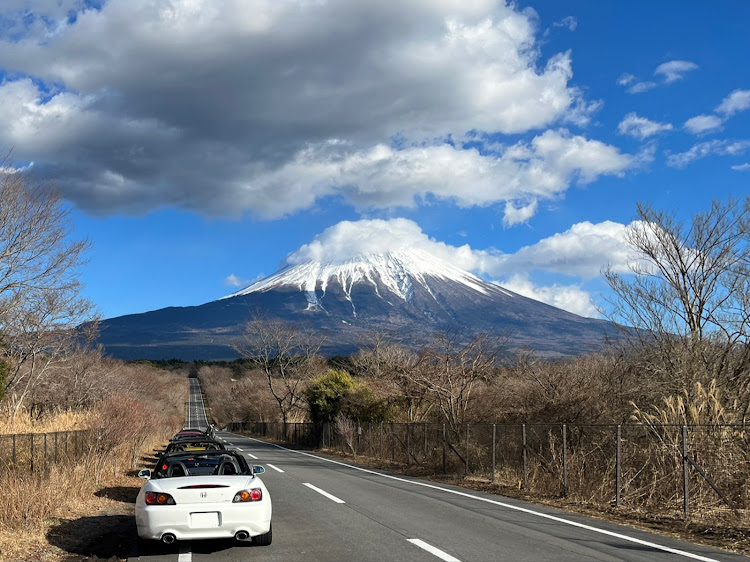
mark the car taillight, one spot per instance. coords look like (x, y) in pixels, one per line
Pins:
(253, 495)
(154, 498)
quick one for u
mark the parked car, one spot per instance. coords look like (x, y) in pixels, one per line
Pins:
(189, 432)
(204, 495)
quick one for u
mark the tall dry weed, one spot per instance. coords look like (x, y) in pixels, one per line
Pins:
(54, 421)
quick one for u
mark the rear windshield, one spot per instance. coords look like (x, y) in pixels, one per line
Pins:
(201, 463)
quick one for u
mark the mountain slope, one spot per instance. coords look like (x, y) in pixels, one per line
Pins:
(409, 293)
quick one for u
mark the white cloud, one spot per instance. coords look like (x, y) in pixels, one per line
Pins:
(640, 87)
(203, 103)
(233, 281)
(674, 70)
(516, 213)
(738, 100)
(708, 148)
(703, 124)
(384, 177)
(641, 127)
(567, 297)
(742, 167)
(581, 252)
(570, 22)
(670, 72)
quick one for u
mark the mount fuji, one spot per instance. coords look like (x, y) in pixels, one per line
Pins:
(407, 293)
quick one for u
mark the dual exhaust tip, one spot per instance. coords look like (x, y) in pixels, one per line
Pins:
(169, 538)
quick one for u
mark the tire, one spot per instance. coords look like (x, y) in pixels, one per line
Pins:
(264, 539)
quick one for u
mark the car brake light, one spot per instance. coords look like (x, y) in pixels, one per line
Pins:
(154, 498)
(253, 495)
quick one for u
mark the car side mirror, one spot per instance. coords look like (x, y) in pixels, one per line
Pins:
(145, 473)
(257, 469)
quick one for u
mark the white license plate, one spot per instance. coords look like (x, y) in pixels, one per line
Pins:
(204, 520)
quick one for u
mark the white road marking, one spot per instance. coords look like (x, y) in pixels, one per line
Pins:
(432, 550)
(186, 555)
(252, 456)
(277, 469)
(323, 492)
(505, 505)
(239, 449)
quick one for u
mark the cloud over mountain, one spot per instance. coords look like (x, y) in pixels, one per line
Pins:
(582, 251)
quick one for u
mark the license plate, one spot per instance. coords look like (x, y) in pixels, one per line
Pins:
(204, 520)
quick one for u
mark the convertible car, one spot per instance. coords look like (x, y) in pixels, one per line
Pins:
(203, 495)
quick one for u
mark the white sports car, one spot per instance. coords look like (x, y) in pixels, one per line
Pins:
(204, 495)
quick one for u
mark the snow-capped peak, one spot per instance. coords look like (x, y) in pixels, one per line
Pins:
(397, 270)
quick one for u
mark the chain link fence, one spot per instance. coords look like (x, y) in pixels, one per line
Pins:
(36, 452)
(672, 470)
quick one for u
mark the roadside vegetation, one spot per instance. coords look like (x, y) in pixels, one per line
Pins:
(67, 486)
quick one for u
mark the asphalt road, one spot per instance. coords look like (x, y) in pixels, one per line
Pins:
(328, 510)
(196, 412)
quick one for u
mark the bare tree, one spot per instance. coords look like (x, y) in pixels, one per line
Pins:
(387, 360)
(453, 368)
(40, 302)
(286, 354)
(688, 298)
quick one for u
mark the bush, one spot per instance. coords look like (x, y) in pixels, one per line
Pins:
(326, 393)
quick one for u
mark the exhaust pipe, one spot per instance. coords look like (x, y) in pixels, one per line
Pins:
(242, 535)
(168, 538)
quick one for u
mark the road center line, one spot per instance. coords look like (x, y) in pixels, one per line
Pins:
(505, 505)
(432, 550)
(185, 555)
(323, 492)
(277, 469)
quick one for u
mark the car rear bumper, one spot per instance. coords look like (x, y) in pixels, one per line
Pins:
(189, 522)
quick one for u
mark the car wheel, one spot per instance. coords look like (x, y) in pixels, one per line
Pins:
(264, 539)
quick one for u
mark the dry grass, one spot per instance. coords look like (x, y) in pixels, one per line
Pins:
(64, 513)
(60, 420)
(81, 508)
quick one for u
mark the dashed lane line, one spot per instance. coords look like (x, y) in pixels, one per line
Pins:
(252, 456)
(276, 468)
(323, 493)
(185, 555)
(433, 550)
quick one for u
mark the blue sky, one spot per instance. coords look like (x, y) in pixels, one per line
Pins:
(201, 142)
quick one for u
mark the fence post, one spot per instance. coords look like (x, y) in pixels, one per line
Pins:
(565, 458)
(525, 460)
(444, 445)
(31, 447)
(408, 444)
(45, 452)
(618, 461)
(467, 449)
(393, 443)
(14, 450)
(56, 433)
(381, 440)
(494, 435)
(685, 480)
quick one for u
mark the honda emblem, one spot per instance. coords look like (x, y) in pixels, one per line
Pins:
(204, 494)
